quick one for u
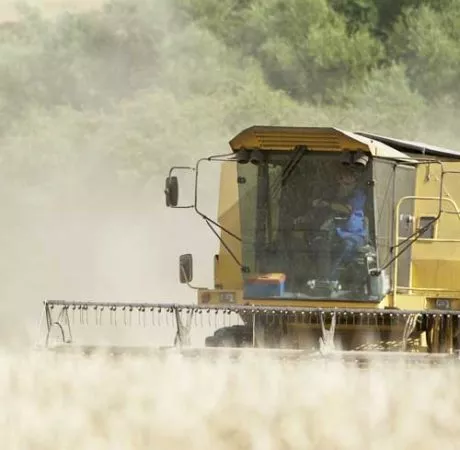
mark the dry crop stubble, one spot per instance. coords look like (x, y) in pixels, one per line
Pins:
(74, 402)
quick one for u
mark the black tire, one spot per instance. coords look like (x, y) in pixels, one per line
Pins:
(235, 336)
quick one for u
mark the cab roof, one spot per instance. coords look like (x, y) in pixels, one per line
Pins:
(333, 139)
(419, 148)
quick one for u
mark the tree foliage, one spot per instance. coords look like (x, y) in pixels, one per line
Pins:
(427, 42)
(140, 85)
(303, 46)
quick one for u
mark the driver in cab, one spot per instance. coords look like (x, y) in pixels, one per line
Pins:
(348, 204)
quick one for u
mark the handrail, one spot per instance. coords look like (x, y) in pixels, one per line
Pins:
(397, 237)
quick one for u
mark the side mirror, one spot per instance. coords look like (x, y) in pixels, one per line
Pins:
(186, 268)
(171, 191)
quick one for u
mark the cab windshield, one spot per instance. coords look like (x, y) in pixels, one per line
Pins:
(307, 226)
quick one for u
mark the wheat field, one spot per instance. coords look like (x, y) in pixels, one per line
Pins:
(73, 402)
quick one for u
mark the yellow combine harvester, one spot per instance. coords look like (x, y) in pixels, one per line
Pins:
(329, 240)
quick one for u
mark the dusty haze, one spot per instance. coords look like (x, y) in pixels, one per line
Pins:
(8, 8)
(74, 236)
(76, 232)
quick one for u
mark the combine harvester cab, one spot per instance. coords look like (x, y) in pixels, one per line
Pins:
(330, 242)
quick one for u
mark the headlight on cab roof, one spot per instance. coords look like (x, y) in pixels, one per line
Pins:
(227, 297)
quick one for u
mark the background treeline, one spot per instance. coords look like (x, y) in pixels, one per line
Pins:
(142, 84)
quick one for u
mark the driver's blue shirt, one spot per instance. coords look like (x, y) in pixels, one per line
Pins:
(354, 226)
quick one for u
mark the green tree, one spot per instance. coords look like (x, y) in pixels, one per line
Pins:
(426, 41)
(304, 47)
(385, 103)
(358, 13)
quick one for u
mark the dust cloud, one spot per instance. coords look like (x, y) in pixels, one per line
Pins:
(71, 230)
(96, 239)
(50, 8)
(103, 245)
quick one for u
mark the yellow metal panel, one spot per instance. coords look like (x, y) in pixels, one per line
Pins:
(436, 264)
(428, 185)
(436, 251)
(228, 194)
(410, 302)
(436, 274)
(227, 271)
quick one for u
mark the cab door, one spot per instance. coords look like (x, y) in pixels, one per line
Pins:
(392, 182)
